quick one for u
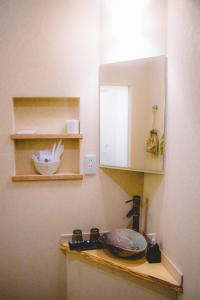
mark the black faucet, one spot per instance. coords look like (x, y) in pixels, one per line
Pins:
(135, 212)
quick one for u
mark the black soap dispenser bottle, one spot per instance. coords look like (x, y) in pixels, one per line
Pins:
(153, 254)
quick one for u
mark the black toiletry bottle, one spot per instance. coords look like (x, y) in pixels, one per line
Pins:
(153, 254)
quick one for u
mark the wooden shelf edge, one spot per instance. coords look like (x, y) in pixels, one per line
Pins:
(114, 265)
(16, 136)
(37, 177)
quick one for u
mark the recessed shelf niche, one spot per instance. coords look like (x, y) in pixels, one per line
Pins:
(48, 117)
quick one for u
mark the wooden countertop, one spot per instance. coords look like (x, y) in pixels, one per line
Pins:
(140, 268)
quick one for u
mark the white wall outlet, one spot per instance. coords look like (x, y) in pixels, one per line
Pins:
(90, 166)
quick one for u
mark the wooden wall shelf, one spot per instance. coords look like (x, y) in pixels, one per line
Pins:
(47, 116)
(37, 177)
(35, 136)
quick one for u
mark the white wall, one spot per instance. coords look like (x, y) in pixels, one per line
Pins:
(174, 199)
(132, 29)
(51, 48)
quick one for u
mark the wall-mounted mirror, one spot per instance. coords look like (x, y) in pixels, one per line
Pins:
(132, 114)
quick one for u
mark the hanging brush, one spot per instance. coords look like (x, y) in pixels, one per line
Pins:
(152, 144)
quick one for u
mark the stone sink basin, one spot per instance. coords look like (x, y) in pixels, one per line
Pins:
(125, 243)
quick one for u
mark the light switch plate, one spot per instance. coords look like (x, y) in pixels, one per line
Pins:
(90, 166)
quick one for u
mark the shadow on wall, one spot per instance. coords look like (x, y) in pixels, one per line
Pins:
(154, 192)
(122, 186)
(131, 182)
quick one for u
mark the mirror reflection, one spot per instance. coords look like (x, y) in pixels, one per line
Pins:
(132, 114)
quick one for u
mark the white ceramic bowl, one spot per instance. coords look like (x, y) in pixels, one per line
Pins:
(47, 168)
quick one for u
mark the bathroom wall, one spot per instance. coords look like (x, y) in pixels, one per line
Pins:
(174, 199)
(51, 48)
(132, 29)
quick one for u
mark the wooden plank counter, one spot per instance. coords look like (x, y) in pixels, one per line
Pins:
(140, 268)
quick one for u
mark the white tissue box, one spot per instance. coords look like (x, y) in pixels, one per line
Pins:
(73, 126)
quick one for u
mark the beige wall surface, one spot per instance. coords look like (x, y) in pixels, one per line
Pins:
(51, 48)
(174, 199)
